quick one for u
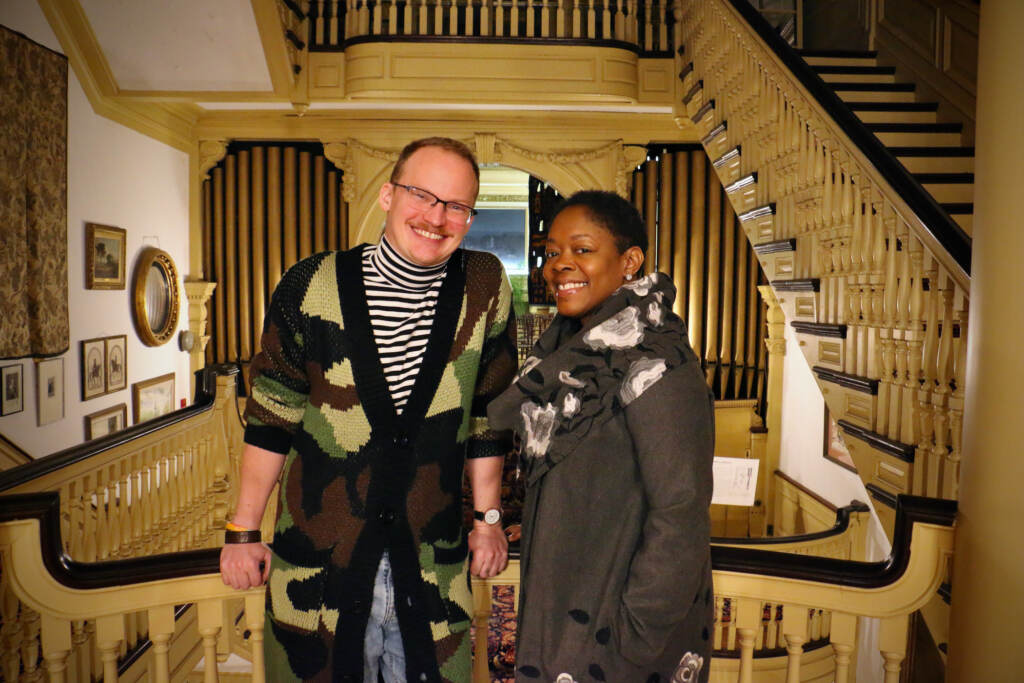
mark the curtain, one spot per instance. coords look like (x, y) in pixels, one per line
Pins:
(33, 199)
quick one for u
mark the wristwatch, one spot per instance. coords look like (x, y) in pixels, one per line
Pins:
(492, 516)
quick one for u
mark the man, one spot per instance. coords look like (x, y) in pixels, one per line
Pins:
(370, 393)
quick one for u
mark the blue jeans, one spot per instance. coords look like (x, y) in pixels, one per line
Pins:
(383, 650)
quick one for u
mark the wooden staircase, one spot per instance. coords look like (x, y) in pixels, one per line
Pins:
(931, 150)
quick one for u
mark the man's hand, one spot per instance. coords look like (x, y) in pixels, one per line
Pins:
(240, 565)
(489, 546)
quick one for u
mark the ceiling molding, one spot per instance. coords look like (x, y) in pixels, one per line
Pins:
(279, 64)
(168, 122)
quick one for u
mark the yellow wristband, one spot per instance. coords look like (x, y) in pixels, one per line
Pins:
(231, 526)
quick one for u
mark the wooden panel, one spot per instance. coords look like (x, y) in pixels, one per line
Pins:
(915, 22)
(960, 53)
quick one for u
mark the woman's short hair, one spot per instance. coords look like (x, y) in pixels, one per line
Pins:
(613, 213)
(447, 144)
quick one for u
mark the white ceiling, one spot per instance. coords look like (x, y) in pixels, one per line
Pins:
(180, 45)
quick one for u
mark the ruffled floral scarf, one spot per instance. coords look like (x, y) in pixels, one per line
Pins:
(580, 376)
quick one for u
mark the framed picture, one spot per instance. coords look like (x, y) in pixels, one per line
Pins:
(834, 448)
(106, 421)
(104, 257)
(94, 363)
(117, 362)
(50, 390)
(152, 398)
(12, 384)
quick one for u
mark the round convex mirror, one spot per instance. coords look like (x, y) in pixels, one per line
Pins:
(156, 297)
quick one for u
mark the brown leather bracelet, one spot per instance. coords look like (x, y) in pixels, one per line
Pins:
(247, 536)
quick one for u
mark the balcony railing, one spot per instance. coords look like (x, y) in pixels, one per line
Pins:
(645, 26)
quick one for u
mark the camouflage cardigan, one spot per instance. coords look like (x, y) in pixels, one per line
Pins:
(359, 479)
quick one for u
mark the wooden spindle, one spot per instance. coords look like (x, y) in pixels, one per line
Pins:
(747, 614)
(255, 612)
(109, 636)
(648, 41)
(210, 625)
(843, 637)
(560, 20)
(161, 630)
(794, 629)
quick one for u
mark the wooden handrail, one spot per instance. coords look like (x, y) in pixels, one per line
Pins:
(206, 390)
(933, 218)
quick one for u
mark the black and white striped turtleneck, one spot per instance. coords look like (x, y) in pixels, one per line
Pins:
(402, 298)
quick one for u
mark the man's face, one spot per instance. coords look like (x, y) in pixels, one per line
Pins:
(428, 236)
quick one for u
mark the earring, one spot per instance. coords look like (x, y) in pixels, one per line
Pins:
(629, 276)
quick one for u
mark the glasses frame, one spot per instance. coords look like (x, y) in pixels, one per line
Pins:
(437, 200)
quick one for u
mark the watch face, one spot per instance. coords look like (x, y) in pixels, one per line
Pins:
(492, 516)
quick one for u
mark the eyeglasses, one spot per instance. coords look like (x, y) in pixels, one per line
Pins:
(422, 199)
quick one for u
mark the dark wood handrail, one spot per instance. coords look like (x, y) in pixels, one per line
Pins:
(936, 221)
(842, 523)
(45, 507)
(206, 392)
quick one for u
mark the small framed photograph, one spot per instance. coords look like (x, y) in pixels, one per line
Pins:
(106, 421)
(50, 390)
(12, 378)
(117, 362)
(152, 398)
(834, 448)
(94, 363)
(104, 256)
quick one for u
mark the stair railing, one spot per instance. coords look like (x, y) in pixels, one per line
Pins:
(870, 271)
(157, 487)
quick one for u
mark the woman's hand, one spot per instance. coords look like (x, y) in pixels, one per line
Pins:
(244, 565)
(489, 546)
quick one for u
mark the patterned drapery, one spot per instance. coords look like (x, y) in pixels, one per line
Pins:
(33, 198)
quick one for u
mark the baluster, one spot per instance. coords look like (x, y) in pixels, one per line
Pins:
(453, 20)
(56, 642)
(843, 637)
(124, 499)
(824, 219)
(109, 634)
(747, 615)
(632, 22)
(956, 410)
(892, 643)
(620, 20)
(90, 549)
(926, 415)
(531, 16)
(648, 27)
(438, 17)
(10, 631)
(76, 521)
(177, 482)
(81, 662)
(606, 19)
(940, 397)
(185, 528)
(560, 20)
(255, 612)
(319, 28)
(577, 19)
(148, 501)
(332, 31)
(113, 512)
(794, 628)
(378, 18)
(210, 624)
(163, 492)
(407, 16)
(663, 25)
(351, 18)
(161, 629)
(591, 20)
(718, 642)
(424, 14)
(485, 18)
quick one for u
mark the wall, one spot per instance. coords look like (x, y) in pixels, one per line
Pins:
(115, 177)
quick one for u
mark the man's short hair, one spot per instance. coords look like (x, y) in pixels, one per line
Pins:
(447, 144)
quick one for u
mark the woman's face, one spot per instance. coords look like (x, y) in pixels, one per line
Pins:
(583, 265)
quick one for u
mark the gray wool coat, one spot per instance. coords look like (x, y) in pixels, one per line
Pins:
(616, 570)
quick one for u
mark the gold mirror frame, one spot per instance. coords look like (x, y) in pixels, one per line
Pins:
(148, 294)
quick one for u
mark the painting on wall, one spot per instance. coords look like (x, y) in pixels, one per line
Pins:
(117, 362)
(50, 390)
(104, 257)
(13, 386)
(106, 421)
(94, 361)
(835, 448)
(152, 398)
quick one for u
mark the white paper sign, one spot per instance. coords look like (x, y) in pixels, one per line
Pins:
(735, 481)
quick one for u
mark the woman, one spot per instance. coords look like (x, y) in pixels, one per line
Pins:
(616, 427)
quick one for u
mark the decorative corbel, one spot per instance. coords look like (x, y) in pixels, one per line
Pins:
(486, 148)
(210, 154)
(338, 154)
(630, 156)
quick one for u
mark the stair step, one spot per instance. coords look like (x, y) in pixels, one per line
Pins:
(874, 92)
(840, 57)
(895, 112)
(935, 159)
(963, 214)
(856, 74)
(917, 134)
(946, 193)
